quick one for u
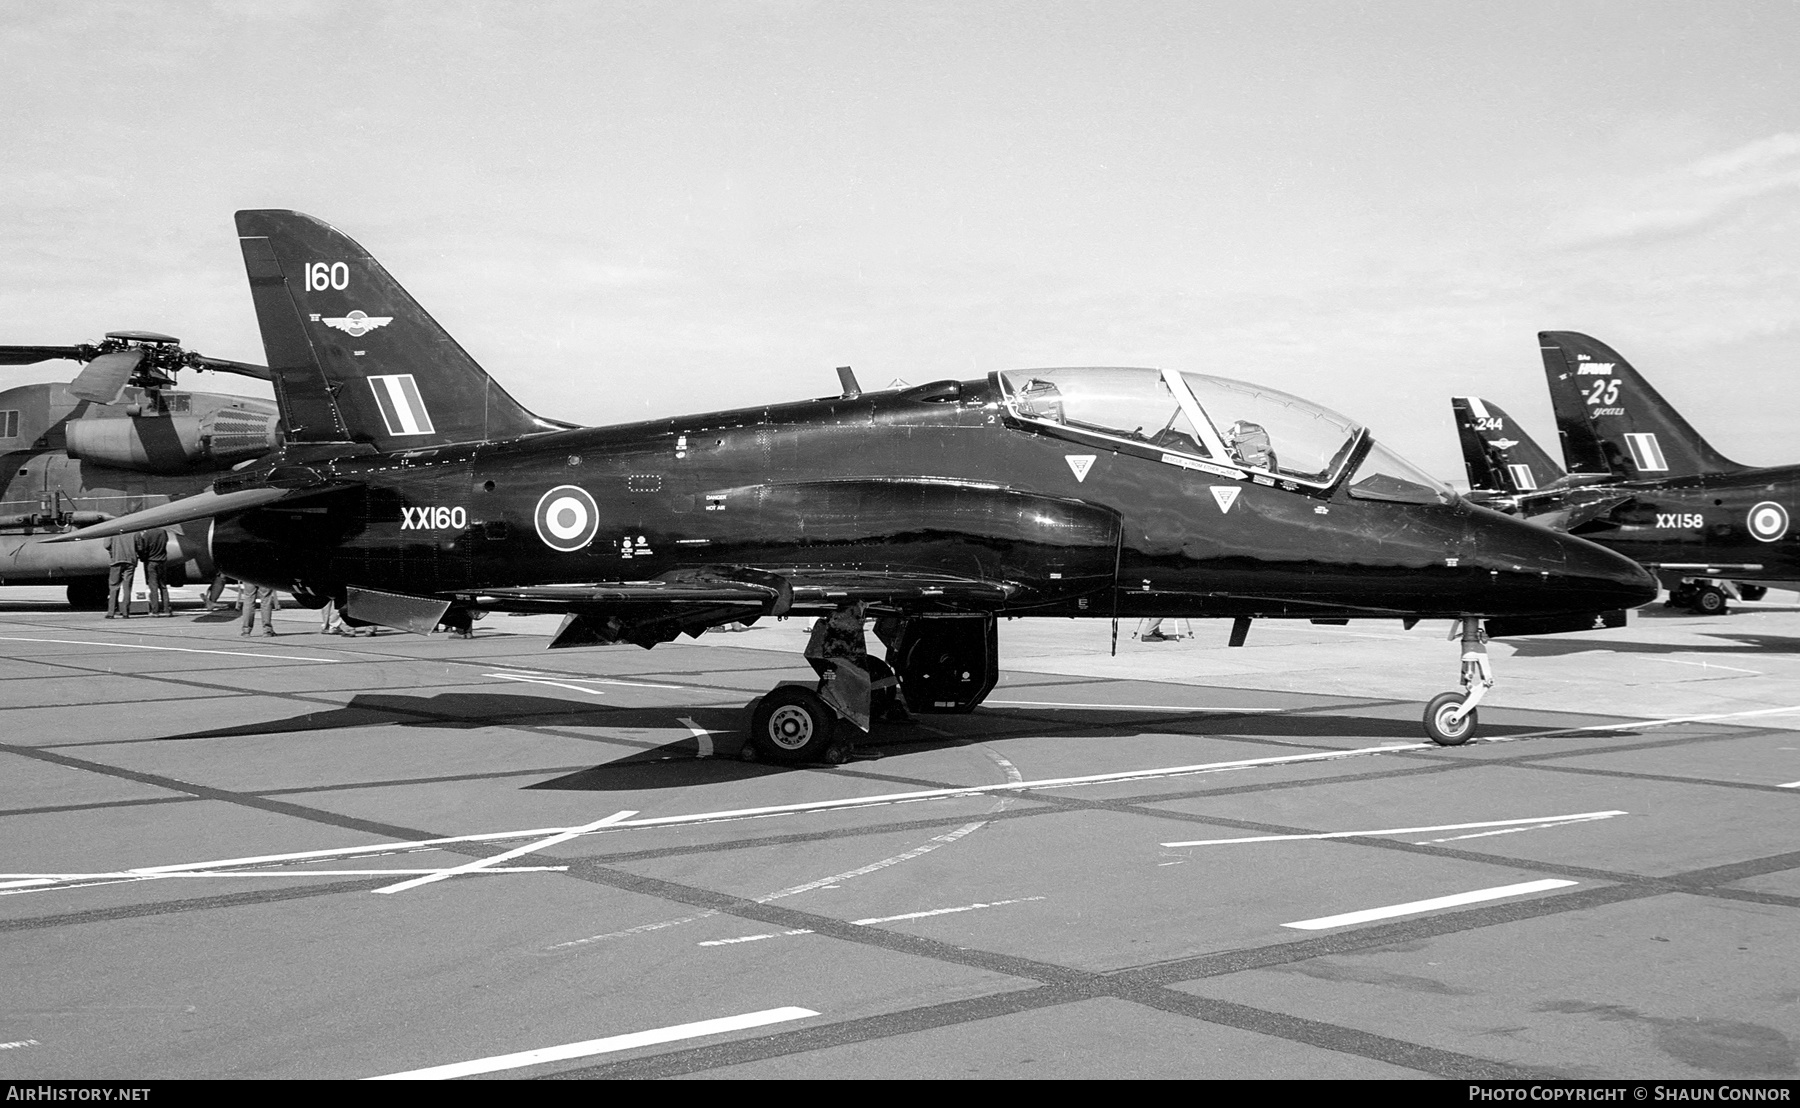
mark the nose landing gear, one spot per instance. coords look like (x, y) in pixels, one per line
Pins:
(1450, 717)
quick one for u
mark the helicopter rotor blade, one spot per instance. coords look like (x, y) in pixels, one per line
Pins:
(223, 365)
(106, 376)
(25, 355)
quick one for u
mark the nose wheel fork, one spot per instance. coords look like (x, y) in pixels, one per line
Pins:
(1450, 718)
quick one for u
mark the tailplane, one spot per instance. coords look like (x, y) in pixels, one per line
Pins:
(1498, 455)
(353, 357)
(1612, 422)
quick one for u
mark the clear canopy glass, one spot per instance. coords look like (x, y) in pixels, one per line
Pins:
(1229, 422)
(1385, 475)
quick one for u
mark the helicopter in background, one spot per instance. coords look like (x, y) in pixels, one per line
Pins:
(119, 438)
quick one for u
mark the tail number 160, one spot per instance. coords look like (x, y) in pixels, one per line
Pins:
(327, 275)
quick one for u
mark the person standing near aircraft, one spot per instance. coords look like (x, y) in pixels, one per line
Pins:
(217, 589)
(121, 552)
(153, 550)
(254, 597)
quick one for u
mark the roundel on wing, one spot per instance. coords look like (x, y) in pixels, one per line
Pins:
(567, 518)
(1768, 521)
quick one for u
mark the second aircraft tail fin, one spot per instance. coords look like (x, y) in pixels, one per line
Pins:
(1498, 455)
(1612, 422)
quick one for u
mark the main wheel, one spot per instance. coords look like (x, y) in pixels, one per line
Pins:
(1440, 725)
(87, 594)
(1710, 600)
(792, 725)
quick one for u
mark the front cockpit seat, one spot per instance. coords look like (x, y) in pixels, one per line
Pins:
(1249, 444)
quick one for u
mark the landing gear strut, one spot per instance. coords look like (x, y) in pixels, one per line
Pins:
(1450, 717)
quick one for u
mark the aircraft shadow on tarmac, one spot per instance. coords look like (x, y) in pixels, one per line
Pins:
(465, 711)
(1743, 646)
(677, 764)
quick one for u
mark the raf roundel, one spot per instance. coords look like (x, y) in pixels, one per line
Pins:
(567, 518)
(1768, 521)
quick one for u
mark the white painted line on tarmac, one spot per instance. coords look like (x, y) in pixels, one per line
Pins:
(1642, 723)
(772, 810)
(1511, 830)
(1416, 907)
(608, 1045)
(872, 920)
(1574, 817)
(1016, 786)
(702, 736)
(755, 938)
(1127, 707)
(507, 856)
(544, 679)
(51, 879)
(174, 649)
(945, 911)
(794, 890)
(1708, 665)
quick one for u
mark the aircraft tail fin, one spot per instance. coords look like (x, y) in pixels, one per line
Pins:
(352, 356)
(1498, 455)
(1612, 421)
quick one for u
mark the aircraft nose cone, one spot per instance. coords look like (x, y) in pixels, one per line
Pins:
(1537, 571)
(1612, 579)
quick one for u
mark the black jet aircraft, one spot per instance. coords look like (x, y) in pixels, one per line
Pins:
(1640, 480)
(118, 438)
(413, 487)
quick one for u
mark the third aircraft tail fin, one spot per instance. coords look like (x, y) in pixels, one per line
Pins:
(353, 357)
(1612, 422)
(1499, 456)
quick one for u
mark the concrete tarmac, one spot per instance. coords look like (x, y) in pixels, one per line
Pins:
(329, 857)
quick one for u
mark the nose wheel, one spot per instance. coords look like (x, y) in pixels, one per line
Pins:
(1450, 718)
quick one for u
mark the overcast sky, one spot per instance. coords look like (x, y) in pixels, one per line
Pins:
(636, 209)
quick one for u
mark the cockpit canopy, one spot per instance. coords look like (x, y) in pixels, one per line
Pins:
(1215, 419)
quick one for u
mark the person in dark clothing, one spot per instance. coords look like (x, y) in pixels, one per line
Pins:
(153, 550)
(121, 552)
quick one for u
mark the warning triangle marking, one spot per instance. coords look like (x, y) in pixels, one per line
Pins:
(1080, 464)
(1226, 495)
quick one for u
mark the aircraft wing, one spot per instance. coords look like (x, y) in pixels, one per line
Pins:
(1573, 516)
(649, 612)
(199, 506)
(807, 591)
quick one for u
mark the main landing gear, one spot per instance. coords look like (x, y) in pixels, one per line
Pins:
(935, 663)
(1450, 717)
(794, 724)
